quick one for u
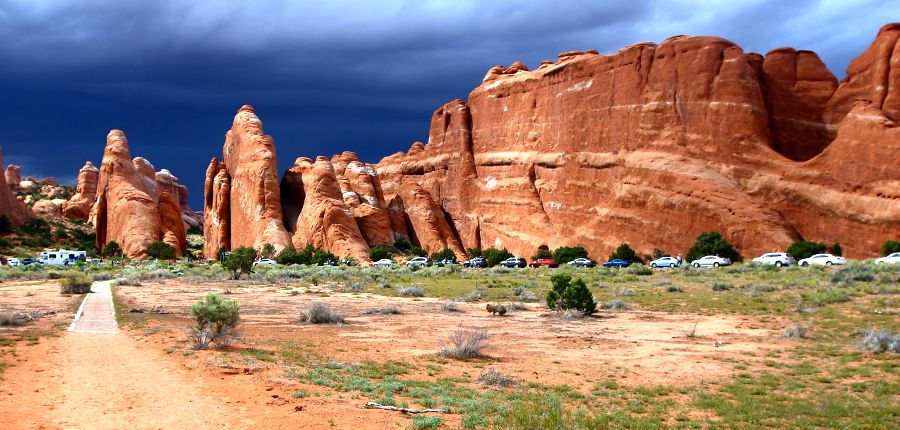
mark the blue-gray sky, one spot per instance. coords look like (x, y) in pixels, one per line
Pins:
(326, 76)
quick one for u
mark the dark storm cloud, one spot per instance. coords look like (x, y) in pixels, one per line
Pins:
(329, 76)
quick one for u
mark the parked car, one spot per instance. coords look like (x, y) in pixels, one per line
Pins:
(890, 259)
(419, 261)
(13, 262)
(777, 259)
(543, 262)
(711, 261)
(29, 261)
(348, 262)
(617, 262)
(475, 262)
(514, 262)
(822, 260)
(446, 262)
(265, 262)
(384, 262)
(665, 262)
(328, 262)
(582, 262)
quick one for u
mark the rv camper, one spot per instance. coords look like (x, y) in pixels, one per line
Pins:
(62, 257)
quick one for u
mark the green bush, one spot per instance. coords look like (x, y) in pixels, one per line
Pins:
(443, 254)
(542, 252)
(36, 227)
(161, 251)
(624, 252)
(415, 251)
(5, 225)
(322, 257)
(111, 249)
(402, 245)
(805, 249)
(378, 252)
(267, 251)
(288, 256)
(567, 294)
(495, 256)
(216, 318)
(890, 247)
(76, 283)
(565, 254)
(475, 252)
(837, 250)
(712, 243)
(240, 261)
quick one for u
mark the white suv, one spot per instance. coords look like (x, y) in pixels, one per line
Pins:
(777, 259)
(419, 261)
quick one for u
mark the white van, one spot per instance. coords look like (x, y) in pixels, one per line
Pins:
(62, 257)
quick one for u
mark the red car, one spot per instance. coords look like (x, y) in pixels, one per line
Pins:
(540, 262)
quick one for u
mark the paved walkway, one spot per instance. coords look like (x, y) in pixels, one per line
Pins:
(96, 314)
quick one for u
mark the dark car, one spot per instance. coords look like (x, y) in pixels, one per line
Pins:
(446, 262)
(514, 262)
(27, 261)
(543, 262)
(475, 262)
(582, 262)
(617, 262)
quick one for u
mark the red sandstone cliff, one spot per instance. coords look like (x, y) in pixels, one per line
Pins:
(15, 210)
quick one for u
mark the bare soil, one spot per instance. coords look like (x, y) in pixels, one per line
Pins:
(145, 377)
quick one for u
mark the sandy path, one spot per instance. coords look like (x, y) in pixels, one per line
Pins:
(91, 380)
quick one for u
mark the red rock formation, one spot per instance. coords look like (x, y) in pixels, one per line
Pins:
(13, 176)
(216, 210)
(79, 206)
(655, 144)
(132, 207)
(362, 194)
(315, 212)
(254, 215)
(14, 209)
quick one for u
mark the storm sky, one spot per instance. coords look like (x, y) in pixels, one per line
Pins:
(325, 76)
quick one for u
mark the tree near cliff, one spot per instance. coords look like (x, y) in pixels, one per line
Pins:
(111, 250)
(267, 251)
(495, 256)
(565, 254)
(625, 252)
(712, 243)
(161, 251)
(443, 254)
(805, 249)
(890, 247)
(837, 250)
(240, 261)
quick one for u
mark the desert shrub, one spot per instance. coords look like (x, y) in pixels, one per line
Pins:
(321, 313)
(475, 252)
(240, 261)
(616, 305)
(495, 256)
(5, 243)
(416, 252)
(796, 331)
(571, 315)
(639, 270)
(378, 252)
(568, 294)
(5, 225)
(879, 340)
(890, 247)
(712, 243)
(129, 281)
(826, 296)
(450, 307)
(36, 227)
(492, 377)
(674, 289)
(474, 296)
(443, 254)
(565, 254)
(267, 251)
(542, 252)
(624, 252)
(111, 249)
(402, 245)
(411, 291)
(466, 344)
(516, 306)
(853, 273)
(805, 249)
(289, 256)
(836, 249)
(76, 283)
(11, 318)
(524, 295)
(690, 331)
(427, 422)
(721, 286)
(217, 321)
(161, 251)
(387, 310)
(102, 276)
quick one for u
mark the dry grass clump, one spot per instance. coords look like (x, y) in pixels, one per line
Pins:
(76, 283)
(691, 331)
(412, 291)
(879, 340)
(387, 310)
(321, 313)
(796, 331)
(495, 379)
(450, 307)
(466, 344)
(474, 296)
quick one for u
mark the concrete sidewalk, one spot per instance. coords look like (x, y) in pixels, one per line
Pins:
(96, 314)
